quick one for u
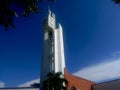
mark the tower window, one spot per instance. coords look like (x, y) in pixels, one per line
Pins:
(50, 35)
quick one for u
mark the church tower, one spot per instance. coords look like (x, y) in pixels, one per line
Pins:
(53, 48)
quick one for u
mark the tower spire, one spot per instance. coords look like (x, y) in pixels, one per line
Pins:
(49, 11)
(48, 7)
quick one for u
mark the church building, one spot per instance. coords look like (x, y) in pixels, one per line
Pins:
(53, 60)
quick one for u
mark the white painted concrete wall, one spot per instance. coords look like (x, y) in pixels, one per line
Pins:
(59, 51)
(58, 62)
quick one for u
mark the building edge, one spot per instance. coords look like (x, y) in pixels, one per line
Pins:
(77, 83)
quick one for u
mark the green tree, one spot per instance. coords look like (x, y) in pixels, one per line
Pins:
(116, 1)
(54, 81)
(11, 9)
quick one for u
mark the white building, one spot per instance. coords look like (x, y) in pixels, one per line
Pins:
(53, 48)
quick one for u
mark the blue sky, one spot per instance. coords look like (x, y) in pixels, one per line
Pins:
(91, 31)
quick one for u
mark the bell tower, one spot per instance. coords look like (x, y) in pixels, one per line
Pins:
(53, 47)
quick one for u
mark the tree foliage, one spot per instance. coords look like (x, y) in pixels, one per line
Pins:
(54, 81)
(116, 1)
(11, 9)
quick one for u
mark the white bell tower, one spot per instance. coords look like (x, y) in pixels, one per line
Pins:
(53, 48)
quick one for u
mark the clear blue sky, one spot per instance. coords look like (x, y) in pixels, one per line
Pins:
(91, 37)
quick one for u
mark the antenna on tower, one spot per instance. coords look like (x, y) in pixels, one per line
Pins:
(49, 11)
(48, 7)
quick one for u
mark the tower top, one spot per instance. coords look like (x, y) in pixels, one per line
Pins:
(50, 21)
(50, 13)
